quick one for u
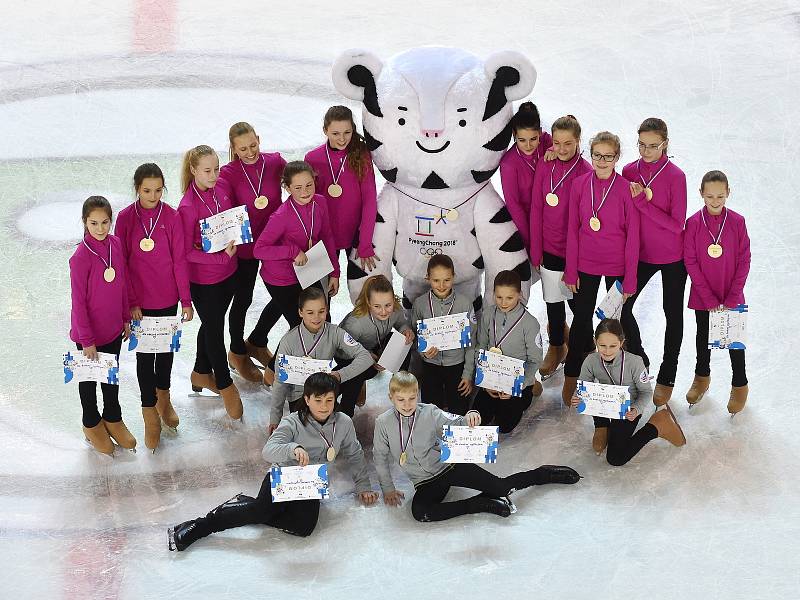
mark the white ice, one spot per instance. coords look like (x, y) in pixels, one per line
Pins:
(89, 90)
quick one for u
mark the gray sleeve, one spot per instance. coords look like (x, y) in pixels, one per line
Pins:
(280, 393)
(354, 455)
(441, 418)
(587, 373)
(479, 340)
(402, 323)
(534, 353)
(281, 445)
(362, 359)
(381, 456)
(643, 388)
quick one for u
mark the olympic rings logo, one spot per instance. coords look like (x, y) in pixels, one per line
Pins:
(430, 251)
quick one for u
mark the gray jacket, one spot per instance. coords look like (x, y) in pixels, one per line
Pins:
(421, 310)
(423, 449)
(520, 343)
(369, 334)
(635, 375)
(335, 343)
(291, 434)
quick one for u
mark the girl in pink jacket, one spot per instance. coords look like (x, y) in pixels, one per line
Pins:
(100, 319)
(716, 250)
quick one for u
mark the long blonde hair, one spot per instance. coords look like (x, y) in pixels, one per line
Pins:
(190, 159)
(237, 129)
(376, 283)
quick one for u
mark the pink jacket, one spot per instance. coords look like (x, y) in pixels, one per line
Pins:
(99, 309)
(205, 268)
(357, 208)
(243, 194)
(284, 238)
(516, 176)
(662, 217)
(614, 250)
(159, 278)
(548, 224)
(716, 281)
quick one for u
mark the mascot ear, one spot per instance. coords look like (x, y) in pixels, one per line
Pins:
(513, 78)
(354, 74)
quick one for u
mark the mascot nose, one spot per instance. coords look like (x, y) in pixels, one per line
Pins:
(432, 133)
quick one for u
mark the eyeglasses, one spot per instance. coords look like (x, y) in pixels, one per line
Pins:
(643, 146)
(603, 157)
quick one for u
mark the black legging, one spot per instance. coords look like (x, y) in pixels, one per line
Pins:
(556, 311)
(298, 517)
(581, 333)
(244, 282)
(623, 443)
(87, 390)
(428, 504)
(283, 301)
(211, 302)
(439, 386)
(506, 413)
(352, 387)
(154, 370)
(673, 283)
(703, 366)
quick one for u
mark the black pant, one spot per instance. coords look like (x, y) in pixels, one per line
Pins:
(352, 387)
(506, 413)
(87, 390)
(298, 517)
(703, 367)
(154, 370)
(211, 302)
(623, 443)
(245, 281)
(428, 504)
(581, 333)
(673, 283)
(556, 311)
(439, 386)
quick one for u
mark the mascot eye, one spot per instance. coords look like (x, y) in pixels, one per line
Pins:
(462, 123)
(401, 121)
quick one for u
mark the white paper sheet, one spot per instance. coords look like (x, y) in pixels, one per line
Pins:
(499, 372)
(155, 334)
(79, 368)
(727, 329)
(232, 225)
(611, 306)
(445, 333)
(553, 288)
(603, 400)
(462, 444)
(299, 483)
(394, 353)
(318, 266)
(295, 370)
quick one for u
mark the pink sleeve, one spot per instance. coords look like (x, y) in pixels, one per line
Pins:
(514, 204)
(573, 225)
(674, 220)
(194, 255)
(226, 185)
(330, 243)
(121, 231)
(79, 280)
(267, 251)
(309, 159)
(536, 230)
(742, 268)
(180, 268)
(699, 281)
(632, 222)
(369, 212)
(126, 306)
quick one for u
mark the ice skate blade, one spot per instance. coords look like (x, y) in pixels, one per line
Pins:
(511, 506)
(168, 430)
(171, 540)
(559, 368)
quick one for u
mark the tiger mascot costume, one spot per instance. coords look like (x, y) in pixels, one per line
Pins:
(437, 121)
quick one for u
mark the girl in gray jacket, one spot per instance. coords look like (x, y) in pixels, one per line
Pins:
(316, 433)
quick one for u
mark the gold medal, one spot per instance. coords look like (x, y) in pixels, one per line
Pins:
(551, 199)
(261, 202)
(495, 349)
(649, 193)
(714, 250)
(594, 223)
(109, 274)
(452, 214)
(334, 190)
(330, 454)
(403, 459)
(147, 244)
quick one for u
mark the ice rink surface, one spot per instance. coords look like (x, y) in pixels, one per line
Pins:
(89, 90)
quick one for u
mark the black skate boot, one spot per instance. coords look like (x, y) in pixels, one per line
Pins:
(556, 474)
(497, 506)
(235, 512)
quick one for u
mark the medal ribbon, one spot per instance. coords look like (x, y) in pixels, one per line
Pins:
(724, 219)
(330, 164)
(303, 344)
(499, 343)
(410, 432)
(322, 435)
(621, 369)
(553, 188)
(148, 234)
(653, 178)
(213, 193)
(430, 305)
(299, 218)
(528, 163)
(256, 192)
(107, 264)
(378, 333)
(605, 194)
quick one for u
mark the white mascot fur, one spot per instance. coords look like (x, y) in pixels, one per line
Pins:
(437, 121)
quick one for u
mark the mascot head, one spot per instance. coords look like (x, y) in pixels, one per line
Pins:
(435, 117)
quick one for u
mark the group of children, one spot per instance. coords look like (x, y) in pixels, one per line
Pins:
(581, 218)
